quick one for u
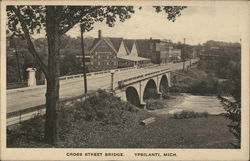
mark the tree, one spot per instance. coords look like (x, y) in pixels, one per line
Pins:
(57, 20)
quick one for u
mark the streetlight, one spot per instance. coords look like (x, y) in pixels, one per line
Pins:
(112, 79)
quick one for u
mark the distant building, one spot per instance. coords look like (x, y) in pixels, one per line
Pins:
(149, 48)
(163, 47)
(174, 55)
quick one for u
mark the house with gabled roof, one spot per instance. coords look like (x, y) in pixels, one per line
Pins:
(110, 52)
(131, 58)
(103, 53)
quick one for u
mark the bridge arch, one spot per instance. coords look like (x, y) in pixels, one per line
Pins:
(163, 83)
(150, 90)
(132, 96)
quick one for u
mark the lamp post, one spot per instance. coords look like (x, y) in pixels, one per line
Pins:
(112, 79)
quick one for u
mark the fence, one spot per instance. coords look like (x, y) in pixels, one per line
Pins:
(40, 82)
(23, 84)
(17, 85)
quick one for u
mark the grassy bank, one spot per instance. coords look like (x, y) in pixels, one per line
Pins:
(104, 121)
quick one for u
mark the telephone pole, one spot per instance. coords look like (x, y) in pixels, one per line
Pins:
(83, 60)
(184, 54)
(191, 55)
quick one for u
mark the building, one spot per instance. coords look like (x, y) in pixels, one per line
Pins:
(131, 56)
(149, 48)
(160, 52)
(174, 55)
(103, 53)
(110, 52)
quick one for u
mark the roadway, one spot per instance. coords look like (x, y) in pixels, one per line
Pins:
(18, 99)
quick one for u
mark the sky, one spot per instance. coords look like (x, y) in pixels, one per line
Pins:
(197, 24)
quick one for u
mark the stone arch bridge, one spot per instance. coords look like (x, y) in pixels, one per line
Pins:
(137, 89)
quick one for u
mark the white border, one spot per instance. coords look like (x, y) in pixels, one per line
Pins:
(182, 154)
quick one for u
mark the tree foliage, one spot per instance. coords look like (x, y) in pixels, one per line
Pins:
(234, 114)
(172, 11)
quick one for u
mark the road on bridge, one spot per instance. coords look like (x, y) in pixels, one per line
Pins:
(18, 99)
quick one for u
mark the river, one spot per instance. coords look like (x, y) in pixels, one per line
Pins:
(184, 101)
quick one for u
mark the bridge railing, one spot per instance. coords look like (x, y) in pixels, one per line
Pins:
(106, 71)
(93, 73)
(121, 83)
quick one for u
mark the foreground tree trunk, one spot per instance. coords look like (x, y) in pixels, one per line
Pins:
(83, 62)
(52, 93)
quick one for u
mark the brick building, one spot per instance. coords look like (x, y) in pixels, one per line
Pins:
(109, 53)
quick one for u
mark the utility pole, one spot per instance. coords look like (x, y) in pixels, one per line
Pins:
(191, 55)
(83, 60)
(112, 72)
(184, 54)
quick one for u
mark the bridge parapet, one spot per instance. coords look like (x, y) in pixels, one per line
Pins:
(93, 73)
(128, 81)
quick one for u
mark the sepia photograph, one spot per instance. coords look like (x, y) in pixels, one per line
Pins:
(111, 78)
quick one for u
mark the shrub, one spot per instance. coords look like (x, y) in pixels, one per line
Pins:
(153, 104)
(104, 107)
(28, 131)
(189, 114)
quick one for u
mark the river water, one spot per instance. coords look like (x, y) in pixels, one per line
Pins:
(184, 101)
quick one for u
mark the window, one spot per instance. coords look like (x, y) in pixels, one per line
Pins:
(103, 55)
(99, 63)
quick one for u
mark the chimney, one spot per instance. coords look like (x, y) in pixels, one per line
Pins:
(99, 34)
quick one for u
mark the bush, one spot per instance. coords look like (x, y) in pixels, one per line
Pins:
(153, 104)
(28, 131)
(103, 107)
(189, 114)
